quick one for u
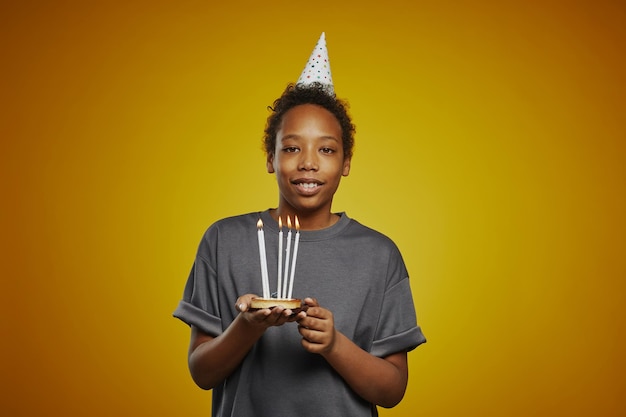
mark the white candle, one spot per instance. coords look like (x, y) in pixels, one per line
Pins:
(280, 257)
(284, 293)
(295, 255)
(263, 259)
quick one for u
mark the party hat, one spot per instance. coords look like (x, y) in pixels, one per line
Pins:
(317, 68)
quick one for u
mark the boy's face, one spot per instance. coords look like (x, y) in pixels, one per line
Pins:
(308, 160)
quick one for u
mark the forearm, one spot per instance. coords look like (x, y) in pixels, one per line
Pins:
(377, 380)
(213, 359)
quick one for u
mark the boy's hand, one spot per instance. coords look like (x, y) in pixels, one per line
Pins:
(317, 328)
(264, 317)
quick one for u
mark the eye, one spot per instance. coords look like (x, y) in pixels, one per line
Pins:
(327, 150)
(290, 149)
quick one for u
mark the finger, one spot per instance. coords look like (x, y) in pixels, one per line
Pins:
(311, 302)
(297, 317)
(261, 315)
(278, 316)
(313, 336)
(318, 312)
(243, 303)
(312, 323)
(306, 333)
(305, 321)
(313, 347)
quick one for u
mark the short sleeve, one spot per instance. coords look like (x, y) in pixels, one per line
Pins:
(397, 328)
(199, 306)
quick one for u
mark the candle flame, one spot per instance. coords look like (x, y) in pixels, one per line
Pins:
(297, 224)
(259, 224)
(280, 222)
(289, 222)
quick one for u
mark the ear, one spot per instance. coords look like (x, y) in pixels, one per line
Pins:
(346, 166)
(269, 163)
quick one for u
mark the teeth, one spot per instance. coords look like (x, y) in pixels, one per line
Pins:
(308, 186)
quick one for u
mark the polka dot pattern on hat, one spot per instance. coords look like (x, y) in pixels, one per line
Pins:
(317, 68)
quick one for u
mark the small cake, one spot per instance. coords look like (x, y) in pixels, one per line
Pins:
(290, 303)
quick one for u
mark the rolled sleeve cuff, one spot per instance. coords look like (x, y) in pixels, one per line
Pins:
(402, 342)
(195, 316)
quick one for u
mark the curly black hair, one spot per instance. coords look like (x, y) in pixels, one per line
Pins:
(315, 93)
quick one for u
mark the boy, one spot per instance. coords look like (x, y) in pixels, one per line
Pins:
(347, 353)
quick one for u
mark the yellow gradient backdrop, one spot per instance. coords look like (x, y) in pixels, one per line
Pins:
(490, 147)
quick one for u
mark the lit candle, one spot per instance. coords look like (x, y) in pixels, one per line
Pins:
(280, 257)
(284, 293)
(263, 258)
(295, 255)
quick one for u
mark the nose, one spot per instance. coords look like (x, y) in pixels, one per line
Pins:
(308, 161)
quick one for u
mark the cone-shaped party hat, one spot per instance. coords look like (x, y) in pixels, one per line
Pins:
(317, 68)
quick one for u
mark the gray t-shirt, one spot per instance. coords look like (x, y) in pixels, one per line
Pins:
(355, 272)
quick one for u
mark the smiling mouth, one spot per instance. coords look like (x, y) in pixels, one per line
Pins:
(307, 187)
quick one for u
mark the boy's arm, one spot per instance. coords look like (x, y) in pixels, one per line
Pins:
(381, 381)
(213, 359)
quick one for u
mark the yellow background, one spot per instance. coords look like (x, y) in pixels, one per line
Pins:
(490, 147)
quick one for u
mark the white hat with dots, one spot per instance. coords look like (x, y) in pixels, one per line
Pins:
(317, 68)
